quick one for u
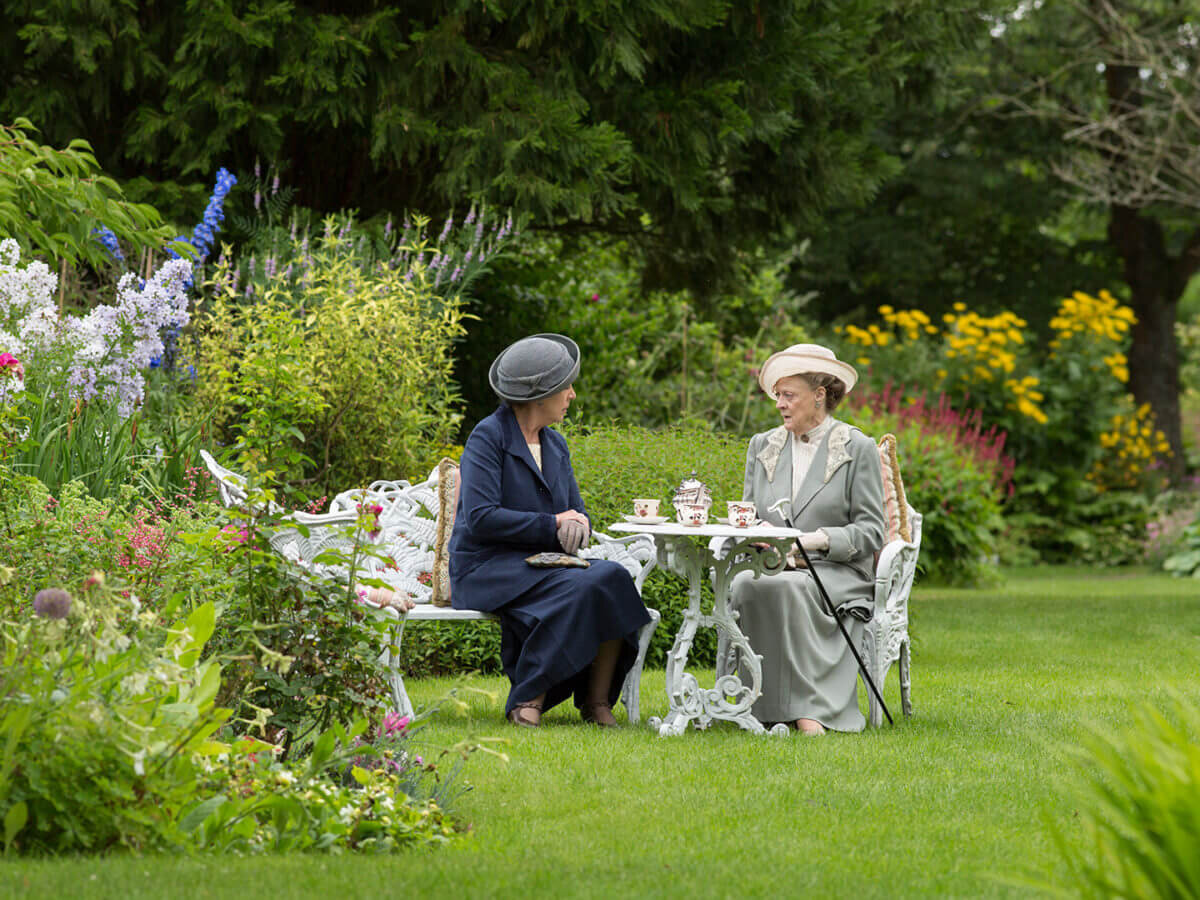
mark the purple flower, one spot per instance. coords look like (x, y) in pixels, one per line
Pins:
(52, 603)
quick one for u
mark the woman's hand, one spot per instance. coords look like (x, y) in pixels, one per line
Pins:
(573, 530)
(814, 540)
(386, 597)
(562, 517)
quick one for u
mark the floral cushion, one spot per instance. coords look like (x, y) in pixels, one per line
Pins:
(895, 502)
(448, 482)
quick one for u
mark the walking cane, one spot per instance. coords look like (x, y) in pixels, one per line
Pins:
(862, 667)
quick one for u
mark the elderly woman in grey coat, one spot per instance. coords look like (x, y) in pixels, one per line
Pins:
(822, 476)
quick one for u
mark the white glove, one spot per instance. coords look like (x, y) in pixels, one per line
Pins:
(572, 535)
(814, 540)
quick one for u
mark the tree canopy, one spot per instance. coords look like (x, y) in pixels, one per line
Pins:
(703, 126)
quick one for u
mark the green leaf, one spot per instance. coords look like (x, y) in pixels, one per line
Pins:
(201, 623)
(201, 811)
(14, 821)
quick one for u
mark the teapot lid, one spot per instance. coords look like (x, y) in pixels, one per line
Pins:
(692, 484)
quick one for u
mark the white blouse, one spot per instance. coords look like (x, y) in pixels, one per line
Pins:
(536, 450)
(804, 450)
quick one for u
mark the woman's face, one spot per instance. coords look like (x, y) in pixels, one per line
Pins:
(797, 403)
(555, 406)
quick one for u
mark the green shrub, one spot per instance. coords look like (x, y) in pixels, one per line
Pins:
(649, 357)
(1087, 458)
(51, 201)
(1139, 807)
(954, 475)
(352, 384)
(1185, 561)
(110, 723)
(616, 463)
(103, 706)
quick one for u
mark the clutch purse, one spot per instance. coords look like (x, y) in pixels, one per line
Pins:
(556, 561)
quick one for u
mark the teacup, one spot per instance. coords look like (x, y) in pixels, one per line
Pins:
(645, 508)
(742, 513)
(691, 514)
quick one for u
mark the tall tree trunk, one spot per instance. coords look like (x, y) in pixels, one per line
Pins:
(1154, 280)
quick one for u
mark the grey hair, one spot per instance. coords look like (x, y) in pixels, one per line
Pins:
(835, 388)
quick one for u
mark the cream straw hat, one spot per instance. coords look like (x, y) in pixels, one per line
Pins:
(800, 359)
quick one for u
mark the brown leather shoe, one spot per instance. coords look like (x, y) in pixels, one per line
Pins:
(516, 718)
(598, 713)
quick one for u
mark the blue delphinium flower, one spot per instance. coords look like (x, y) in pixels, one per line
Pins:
(109, 240)
(205, 233)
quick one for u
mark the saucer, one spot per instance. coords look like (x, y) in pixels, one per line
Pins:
(645, 520)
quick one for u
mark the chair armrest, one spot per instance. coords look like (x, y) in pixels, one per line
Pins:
(894, 576)
(636, 552)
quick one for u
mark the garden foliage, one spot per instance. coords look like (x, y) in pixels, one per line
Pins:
(1138, 800)
(1087, 459)
(650, 358)
(58, 203)
(130, 695)
(83, 377)
(691, 114)
(955, 474)
(344, 366)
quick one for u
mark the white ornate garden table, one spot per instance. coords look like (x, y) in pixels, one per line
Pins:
(691, 552)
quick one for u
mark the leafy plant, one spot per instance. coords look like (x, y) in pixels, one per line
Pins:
(103, 705)
(650, 357)
(955, 474)
(616, 463)
(1139, 805)
(54, 201)
(1185, 561)
(1072, 430)
(83, 375)
(354, 383)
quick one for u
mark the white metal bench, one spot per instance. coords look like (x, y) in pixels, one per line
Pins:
(405, 542)
(885, 640)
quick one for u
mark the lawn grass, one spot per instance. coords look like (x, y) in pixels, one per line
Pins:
(953, 802)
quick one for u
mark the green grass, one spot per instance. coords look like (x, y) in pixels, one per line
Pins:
(953, 802)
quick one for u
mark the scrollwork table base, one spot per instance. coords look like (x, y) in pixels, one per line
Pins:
(692, 552)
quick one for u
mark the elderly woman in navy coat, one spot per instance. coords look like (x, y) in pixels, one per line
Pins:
(566, 632)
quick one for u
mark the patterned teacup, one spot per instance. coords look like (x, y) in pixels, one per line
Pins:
(691, 514)
(645, 508)
(742, 513)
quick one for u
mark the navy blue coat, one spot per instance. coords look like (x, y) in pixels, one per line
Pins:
(506, 510)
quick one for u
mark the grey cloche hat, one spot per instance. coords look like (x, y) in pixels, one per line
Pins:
(534, 367)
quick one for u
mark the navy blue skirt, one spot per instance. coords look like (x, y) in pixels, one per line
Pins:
(551, 633)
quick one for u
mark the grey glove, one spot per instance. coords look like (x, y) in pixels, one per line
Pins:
(573, 535)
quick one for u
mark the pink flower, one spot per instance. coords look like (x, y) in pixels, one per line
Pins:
(371, 510)
(8, 362)
(394, 723)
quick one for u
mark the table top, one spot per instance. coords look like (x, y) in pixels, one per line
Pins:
(717, 529)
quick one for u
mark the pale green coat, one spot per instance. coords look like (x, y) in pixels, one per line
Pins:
(808, 671)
